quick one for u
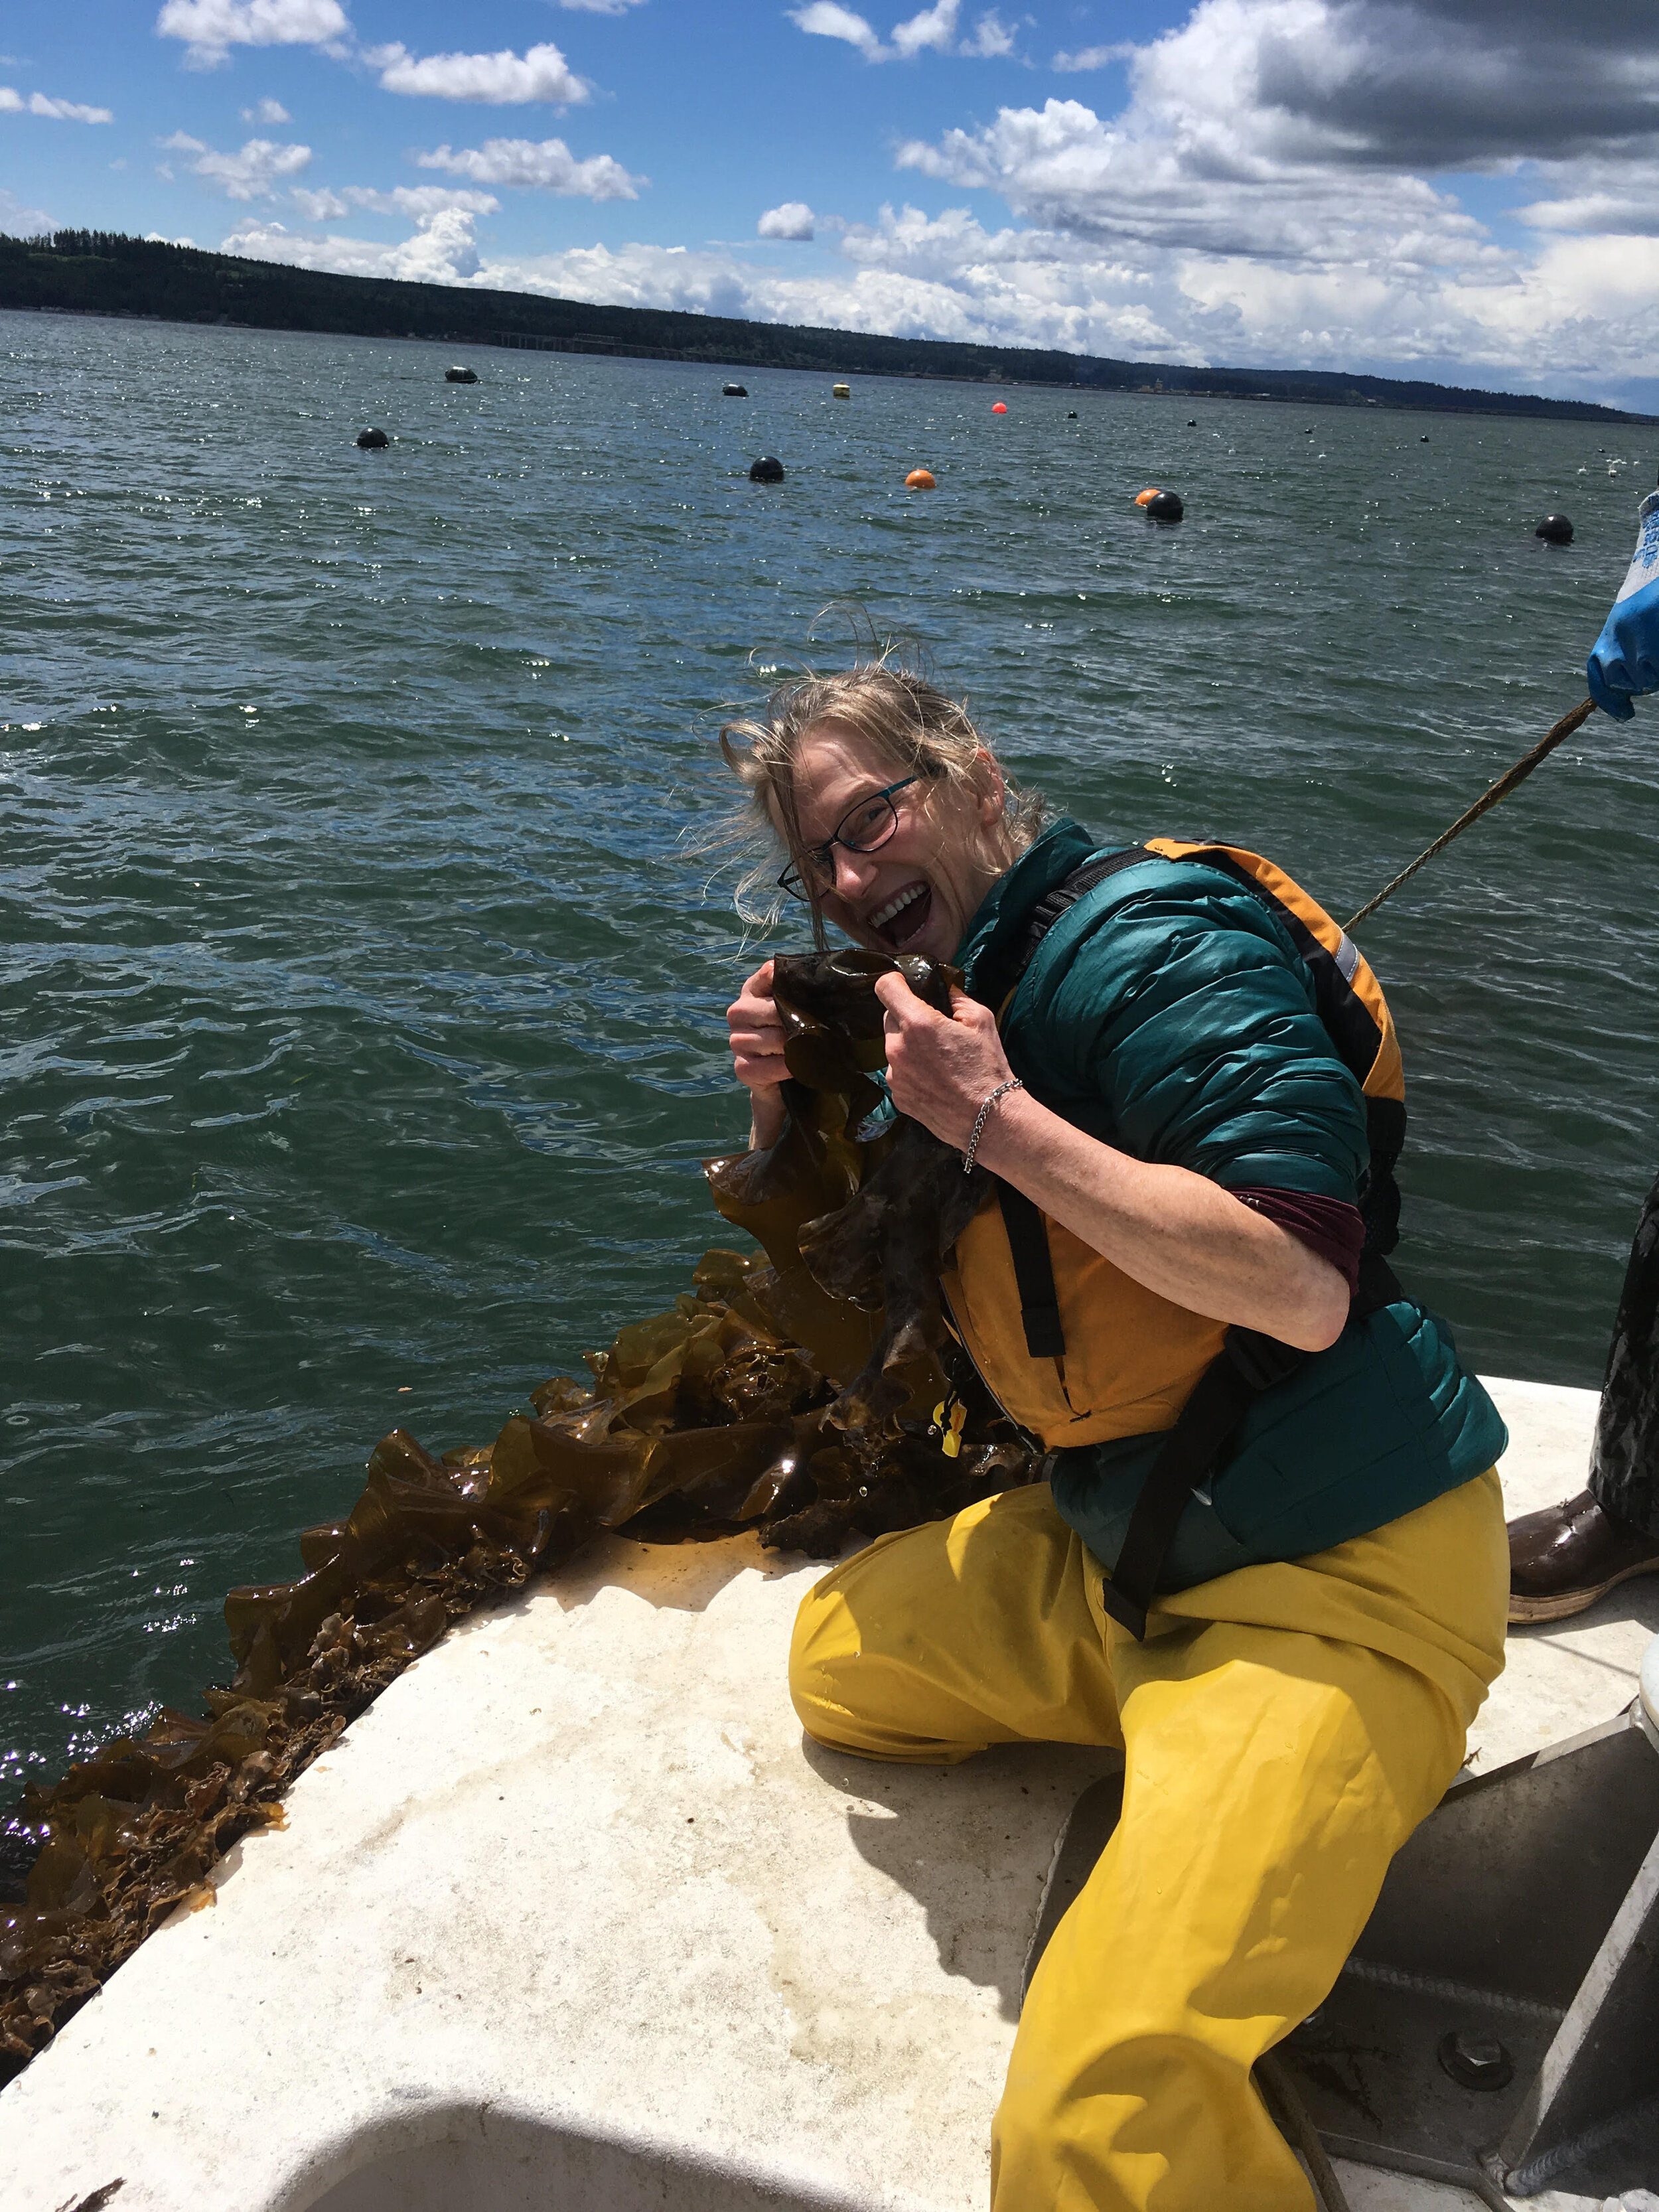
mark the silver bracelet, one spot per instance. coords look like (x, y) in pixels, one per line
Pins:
(1012, 1084)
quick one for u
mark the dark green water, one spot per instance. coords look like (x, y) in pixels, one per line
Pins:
(364, 1013)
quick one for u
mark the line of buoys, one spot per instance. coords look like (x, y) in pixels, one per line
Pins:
(920, 480)
(734, 392)
(1555, 529)
(1160, 506)
(768, 470)
(459, 374)
(372, 440)
(1001, 407)
(841, 391)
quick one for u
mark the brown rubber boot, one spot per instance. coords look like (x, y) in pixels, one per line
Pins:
(1562, 1560)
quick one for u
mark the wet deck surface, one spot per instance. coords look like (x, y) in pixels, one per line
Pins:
(570, 1915)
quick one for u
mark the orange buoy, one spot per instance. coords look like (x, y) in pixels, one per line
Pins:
(1001, 407)
(920, 480)
(1145, 498)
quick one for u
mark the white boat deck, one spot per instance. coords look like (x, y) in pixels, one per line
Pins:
(570, 1916)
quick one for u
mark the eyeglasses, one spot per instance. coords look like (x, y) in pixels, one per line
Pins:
(862, 828)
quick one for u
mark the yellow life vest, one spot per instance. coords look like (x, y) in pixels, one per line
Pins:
(1130, 1359)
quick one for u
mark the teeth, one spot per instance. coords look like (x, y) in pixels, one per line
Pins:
(883, 914)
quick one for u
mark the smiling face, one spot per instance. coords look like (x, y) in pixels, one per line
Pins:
(918, 891)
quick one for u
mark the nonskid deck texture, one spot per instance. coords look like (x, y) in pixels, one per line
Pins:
(570, 1916)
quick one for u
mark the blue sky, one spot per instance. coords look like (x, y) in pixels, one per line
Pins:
(1454, 188)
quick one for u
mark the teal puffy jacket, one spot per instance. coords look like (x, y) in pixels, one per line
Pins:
(1169, 1014)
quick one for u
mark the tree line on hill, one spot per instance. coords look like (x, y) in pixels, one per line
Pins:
(105, 272)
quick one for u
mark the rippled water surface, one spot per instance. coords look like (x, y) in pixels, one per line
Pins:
(364, 1009)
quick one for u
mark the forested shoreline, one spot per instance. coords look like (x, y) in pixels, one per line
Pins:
(105, 272)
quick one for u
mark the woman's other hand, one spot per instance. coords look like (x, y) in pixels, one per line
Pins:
(757, 1060)
(940, 1068)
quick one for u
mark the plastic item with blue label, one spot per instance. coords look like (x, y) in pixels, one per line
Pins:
(1625, 659)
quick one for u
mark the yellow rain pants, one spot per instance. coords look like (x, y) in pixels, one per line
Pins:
(1284, 1729)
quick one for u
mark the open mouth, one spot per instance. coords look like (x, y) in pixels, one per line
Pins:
(903, 916)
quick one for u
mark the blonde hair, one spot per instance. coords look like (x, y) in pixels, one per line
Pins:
(896, 710)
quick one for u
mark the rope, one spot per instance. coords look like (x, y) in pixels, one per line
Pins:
(1291, 2115)
(1506, 784)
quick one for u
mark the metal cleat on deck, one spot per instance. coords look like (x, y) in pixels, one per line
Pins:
(1497, 2023)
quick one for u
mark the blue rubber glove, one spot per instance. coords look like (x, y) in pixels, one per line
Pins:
(1625, 659)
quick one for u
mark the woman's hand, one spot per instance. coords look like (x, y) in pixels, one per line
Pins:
(1176, 1232)
(940, 1069)
(757, 1060)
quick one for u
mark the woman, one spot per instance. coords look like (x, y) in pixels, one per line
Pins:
(1162, 1090)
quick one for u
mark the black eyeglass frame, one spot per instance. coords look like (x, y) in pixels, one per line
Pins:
(791, 880)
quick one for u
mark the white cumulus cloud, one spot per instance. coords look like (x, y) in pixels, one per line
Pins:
(1611, 194)
(502, 80)
(322, 206)
(210, 27)
(1309, 130)
(934, 27)
(1092, 58)
(424, 201)
(420, 201)
(253, 172)
(441, 252)
(826, 19)
(698, 282)
(12, 102)
(991, 39)
(794, 219)
(932, 30)
(267, 112)
(548, 166)
(1202, 180)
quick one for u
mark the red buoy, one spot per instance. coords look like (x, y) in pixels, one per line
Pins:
(1001, 407)
(918, 480)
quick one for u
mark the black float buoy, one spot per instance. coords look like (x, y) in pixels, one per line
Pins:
(372, 440)
(1164, 506)
(734, 392)
(1192, 421)
(1423, 440)
(460, 375)
(1071, 414)
(768, 470)
(1555, 529)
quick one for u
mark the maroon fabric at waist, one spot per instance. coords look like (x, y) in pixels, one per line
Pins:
(1328, 1226)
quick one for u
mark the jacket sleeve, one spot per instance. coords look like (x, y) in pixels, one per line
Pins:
(1185, 1011)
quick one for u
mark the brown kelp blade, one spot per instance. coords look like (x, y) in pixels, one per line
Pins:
(882, 1247)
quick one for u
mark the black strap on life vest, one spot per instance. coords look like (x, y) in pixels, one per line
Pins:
(1201, 1441)
(994, 983)
(1248, 1362)
(1033, 1272)
(1027, 1235)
